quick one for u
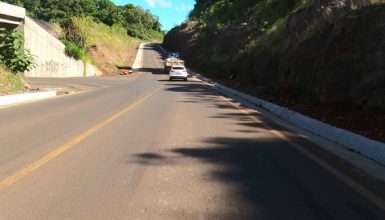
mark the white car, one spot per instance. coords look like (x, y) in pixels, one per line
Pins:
(178, 72)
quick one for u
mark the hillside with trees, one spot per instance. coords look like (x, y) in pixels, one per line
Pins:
(97, 31)
(324, 58)
(138, 22)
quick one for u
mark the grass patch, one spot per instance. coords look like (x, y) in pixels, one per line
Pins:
(96, 33)
(73, 50)
(271, 39)
(10, 82)
(105, 46)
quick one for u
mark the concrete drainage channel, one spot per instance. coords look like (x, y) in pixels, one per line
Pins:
(139, 58)
(369, 148)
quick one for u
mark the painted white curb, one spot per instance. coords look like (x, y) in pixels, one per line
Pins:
(139, 57)
(25, 97)
(372, 149)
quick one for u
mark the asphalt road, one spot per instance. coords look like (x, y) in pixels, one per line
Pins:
(141, 147)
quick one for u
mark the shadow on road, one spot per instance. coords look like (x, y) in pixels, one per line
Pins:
(268, 180)
(152, 70)
(155, 47)
(264, 177)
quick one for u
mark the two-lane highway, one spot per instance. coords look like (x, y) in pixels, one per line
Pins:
(143, 147)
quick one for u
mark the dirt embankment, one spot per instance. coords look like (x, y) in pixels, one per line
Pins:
(107, 47)
(111, 61)
(327, 62)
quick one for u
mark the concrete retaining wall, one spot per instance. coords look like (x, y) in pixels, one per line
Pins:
(49, 52)
(51, 59)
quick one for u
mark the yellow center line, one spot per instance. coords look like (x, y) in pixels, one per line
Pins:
(20, 174)
(341, 176)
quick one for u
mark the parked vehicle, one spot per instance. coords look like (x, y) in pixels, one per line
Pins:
(178, 72)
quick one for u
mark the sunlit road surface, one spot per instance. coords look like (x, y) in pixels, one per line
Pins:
(142, 147)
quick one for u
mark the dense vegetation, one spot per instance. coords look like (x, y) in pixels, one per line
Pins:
(222, 12)
(13, 60)
(323, 58)
(10, 82)
(260, 21)
(301, 51)
(12, 53)
(138, 22)
(106, 46)
(95, 31)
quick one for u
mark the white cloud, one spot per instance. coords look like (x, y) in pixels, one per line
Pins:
(183, 8)
(159, 3)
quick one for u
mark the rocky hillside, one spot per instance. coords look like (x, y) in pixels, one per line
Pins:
(294, 51)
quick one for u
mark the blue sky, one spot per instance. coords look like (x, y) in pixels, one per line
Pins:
(170, 12)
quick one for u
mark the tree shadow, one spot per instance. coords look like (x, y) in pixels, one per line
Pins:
(150, 159)
(201, 93)
(198, 90)
(264, 175)
(123, 67)
(157, 71)
(266, 179)
(155, 47)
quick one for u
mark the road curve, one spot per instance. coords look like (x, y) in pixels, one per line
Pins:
(143, 147)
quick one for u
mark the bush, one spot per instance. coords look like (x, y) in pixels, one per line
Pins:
(104, 45)
(73, 50)
(12, 52)
(9, 82)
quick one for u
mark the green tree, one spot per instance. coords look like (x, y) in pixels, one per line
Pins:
(138, 22)
(12, 52)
